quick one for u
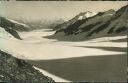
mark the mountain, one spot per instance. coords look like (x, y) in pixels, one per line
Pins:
(5, 34)
(12, 26)
(15, 70)
(12, 69)
(9, 23)
(54, 23)
(78, 17)
(108, 23)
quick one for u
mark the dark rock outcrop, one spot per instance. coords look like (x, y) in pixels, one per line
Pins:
(73, 20)
(12, 27)
(8, 26)
(16, 70)
(12, 24)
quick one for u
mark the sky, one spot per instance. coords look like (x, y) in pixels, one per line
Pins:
(55, 9)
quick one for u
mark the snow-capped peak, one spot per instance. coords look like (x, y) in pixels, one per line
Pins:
(90, 14)
(86, 15)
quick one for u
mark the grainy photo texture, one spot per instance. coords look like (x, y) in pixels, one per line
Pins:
(47, 42)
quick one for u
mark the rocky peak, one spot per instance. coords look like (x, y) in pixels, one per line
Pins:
(122, 12)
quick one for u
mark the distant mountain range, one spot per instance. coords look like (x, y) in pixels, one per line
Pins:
(108, 23)
(18, 25)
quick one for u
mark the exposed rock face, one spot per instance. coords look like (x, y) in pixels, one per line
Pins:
(78, 17)
(8, 26)
(14, 70)
(9, 23)
(102, 24)
(12, 26)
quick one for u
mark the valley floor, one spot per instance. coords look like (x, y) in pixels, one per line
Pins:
(102, 58)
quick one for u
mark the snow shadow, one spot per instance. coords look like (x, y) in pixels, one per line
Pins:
(107, 68)
(116, 49)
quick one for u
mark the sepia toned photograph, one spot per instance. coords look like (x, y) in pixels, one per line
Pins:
(63, 41)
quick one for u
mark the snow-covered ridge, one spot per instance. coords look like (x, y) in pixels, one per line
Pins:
(12, 24)
(90, 14)
(13, 21)
(10, 27)
(102, 24)
(87, 15)
(4, 34)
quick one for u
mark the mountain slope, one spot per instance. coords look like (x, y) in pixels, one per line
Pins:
(8, 33)
(4, 34)
(78, 17)
(9, 23)
(15, 70)
(107, 23)
(11, 26)
(12, 69)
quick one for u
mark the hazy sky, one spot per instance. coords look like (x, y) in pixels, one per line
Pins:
(52, 10)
